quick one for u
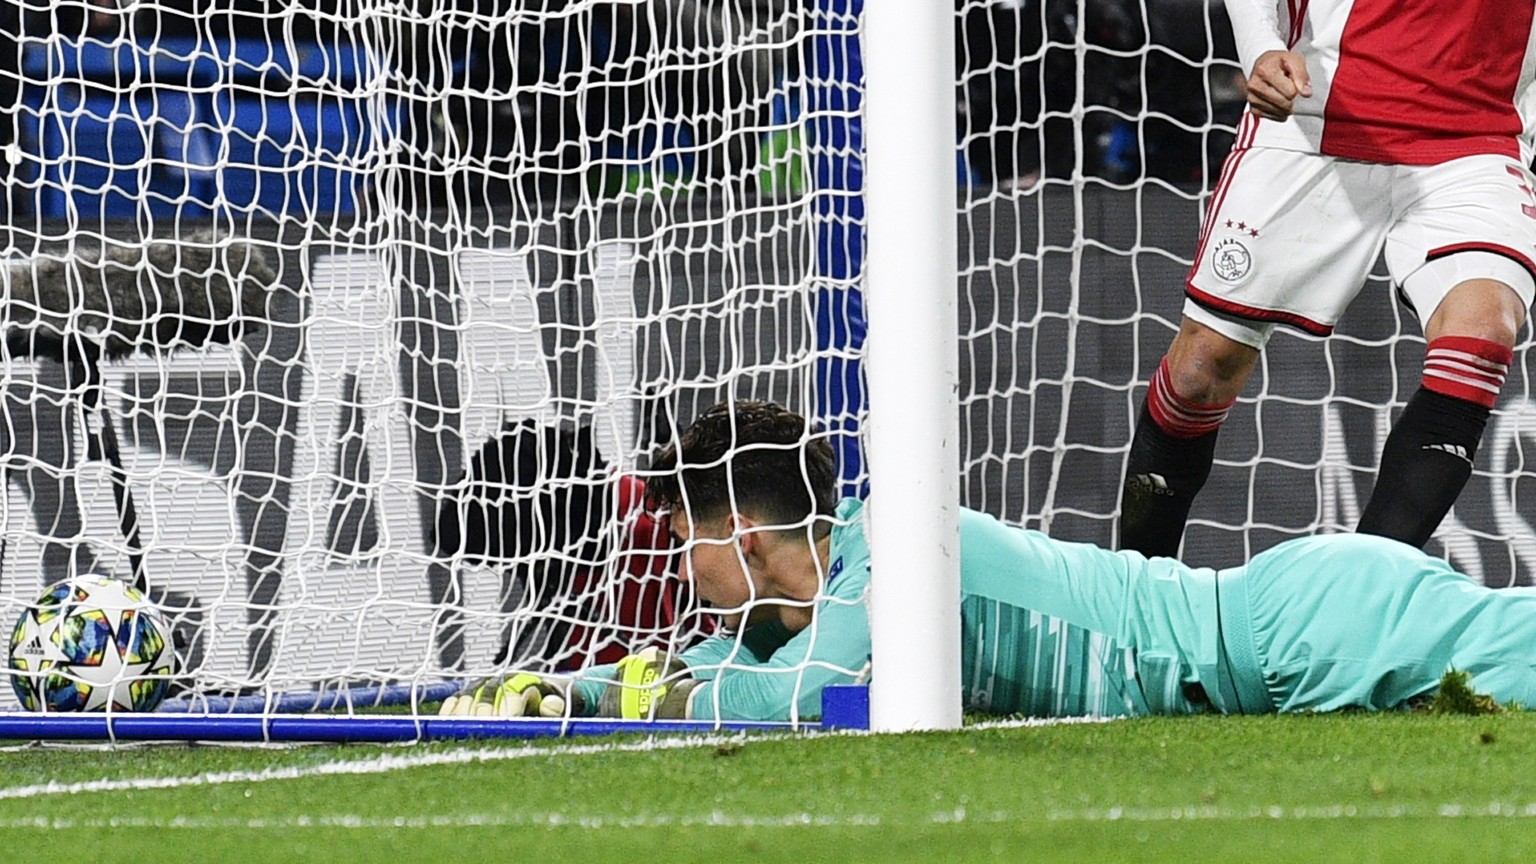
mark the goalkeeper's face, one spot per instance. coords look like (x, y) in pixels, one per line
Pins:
(714, 562)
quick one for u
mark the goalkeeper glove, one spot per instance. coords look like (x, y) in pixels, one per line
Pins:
(649, 685)
(521, 694)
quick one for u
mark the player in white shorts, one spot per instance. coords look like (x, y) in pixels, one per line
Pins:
(1347, 155)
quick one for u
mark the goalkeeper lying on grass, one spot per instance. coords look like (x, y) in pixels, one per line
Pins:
(1050, 628)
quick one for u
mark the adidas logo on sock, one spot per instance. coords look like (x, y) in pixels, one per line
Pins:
(1154, 484)
(1456, 450)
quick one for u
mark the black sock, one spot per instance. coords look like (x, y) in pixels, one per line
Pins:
(1162, 477)
(1424, 465)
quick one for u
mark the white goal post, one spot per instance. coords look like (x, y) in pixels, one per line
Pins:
(912, 365)
(556, 231)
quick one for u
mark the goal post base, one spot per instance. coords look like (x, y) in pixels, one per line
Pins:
(845, 706)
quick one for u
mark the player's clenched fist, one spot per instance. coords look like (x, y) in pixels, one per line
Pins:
(1278, 79)
(521, 694)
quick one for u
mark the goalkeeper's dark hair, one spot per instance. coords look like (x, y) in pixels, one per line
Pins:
(759, 458)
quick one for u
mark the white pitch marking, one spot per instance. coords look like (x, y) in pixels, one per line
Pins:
(1037, 722)
(720, 819)
(1275, 812)
(375, 765)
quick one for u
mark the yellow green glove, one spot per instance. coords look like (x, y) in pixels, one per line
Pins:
(649, 685)
(521, 694)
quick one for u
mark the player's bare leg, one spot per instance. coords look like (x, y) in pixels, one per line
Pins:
(1207, 367)
(1428, 457)
(1481, 308)
(1175, 438)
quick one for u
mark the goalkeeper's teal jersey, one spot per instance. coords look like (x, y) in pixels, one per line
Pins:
(1355, 621)
(1029, 646)
(1313, 624)
(1052, 628)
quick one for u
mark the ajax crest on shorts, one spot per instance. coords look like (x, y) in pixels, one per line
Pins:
(1231, 261)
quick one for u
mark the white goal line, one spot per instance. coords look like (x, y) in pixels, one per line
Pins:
(722, 819)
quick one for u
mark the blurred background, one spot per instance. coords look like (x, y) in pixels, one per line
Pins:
(479, 95)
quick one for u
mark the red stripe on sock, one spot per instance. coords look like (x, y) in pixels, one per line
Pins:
(1177, 416)
(1467, 368)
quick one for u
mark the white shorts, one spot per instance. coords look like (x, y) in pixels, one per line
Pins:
(1290, 237)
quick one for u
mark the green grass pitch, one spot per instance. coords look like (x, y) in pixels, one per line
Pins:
(1356, 788)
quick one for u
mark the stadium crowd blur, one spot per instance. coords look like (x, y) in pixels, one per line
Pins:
(474, 69)
(1159, 84)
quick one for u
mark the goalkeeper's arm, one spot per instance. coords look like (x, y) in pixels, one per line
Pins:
(644, 686)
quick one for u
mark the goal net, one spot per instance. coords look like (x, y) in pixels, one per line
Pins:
(1093, 134)
(536, 239)
(514, 247)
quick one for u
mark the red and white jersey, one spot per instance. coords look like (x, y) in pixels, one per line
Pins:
(1407, 82)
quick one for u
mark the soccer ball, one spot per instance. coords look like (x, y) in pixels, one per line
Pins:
(89, 644)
